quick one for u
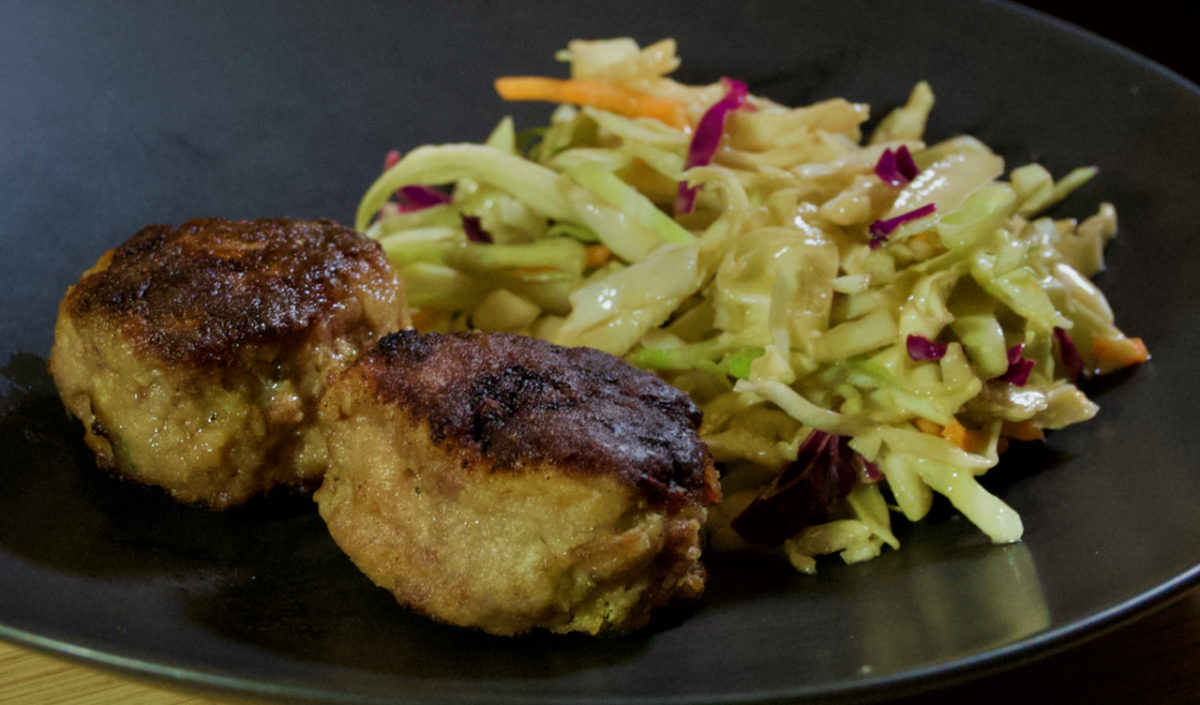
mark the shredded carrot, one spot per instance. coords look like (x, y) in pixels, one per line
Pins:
(969, 440)
(1022, 431)
(1112, 355)
(712, 485)
(596, 94)
(424, 319)
(598, 255)
(956, 433)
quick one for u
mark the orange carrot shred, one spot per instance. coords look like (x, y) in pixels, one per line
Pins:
(1112, 355)
(969, 440)
(956, 433)
(1022, 431)
(598, 255)
(596, 94)
(424, 319)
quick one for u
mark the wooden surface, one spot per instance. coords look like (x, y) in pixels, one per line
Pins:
(1154, 660)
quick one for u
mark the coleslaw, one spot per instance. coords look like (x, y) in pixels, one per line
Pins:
(865, 321)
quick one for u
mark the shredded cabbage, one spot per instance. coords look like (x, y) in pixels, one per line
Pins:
(904, 297)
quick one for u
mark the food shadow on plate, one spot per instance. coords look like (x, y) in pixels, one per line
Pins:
(748, 576)
(1097, 387)
(58, 510)
(266, 574)
(947, 593)
(314, 606)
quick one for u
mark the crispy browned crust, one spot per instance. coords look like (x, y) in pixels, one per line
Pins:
(520, 402)
(197, 294)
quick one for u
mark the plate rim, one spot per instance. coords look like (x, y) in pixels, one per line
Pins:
(904, 683)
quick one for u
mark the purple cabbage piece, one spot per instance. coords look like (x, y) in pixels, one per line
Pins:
(424, 197)
(474, 230)
(707, 138)
(1068, 354)
(1019, 367)
(416, 197)
(880, 229)
(888, 170)
(896, 168)
(921, 348)
(825, 470)
(869, 472)
(904, 160)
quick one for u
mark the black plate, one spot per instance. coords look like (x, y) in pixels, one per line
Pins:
(117, 115)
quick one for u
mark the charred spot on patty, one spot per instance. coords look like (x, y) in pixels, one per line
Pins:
(506, 484)
(198, 293)
(519, 401)
(196, 357)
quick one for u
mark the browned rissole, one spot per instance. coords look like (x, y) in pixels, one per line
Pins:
(196, 357)
(506, 484)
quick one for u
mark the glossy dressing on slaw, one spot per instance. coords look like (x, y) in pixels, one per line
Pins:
(865, 322)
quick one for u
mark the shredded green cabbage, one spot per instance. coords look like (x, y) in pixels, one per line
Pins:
(766, 303)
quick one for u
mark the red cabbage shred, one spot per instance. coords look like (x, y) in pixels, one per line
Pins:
(424, 196)
(415, 197)
(896, 168)
(880, 229)
(1068, 354)
(475, 232)
(1019, 367)
(825, 470)
(707, 138)
(921, 348)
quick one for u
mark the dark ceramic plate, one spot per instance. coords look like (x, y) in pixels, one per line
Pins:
(117, 115)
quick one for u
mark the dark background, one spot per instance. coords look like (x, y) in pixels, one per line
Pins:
(141, 112)
(1159, 33)
(1154, 29)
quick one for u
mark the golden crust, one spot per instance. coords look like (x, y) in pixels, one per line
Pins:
(497, 541)
(517, 401)
(199, 293)
(227, 414)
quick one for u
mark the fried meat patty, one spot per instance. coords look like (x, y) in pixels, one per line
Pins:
(504, 483)
(196, 357)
